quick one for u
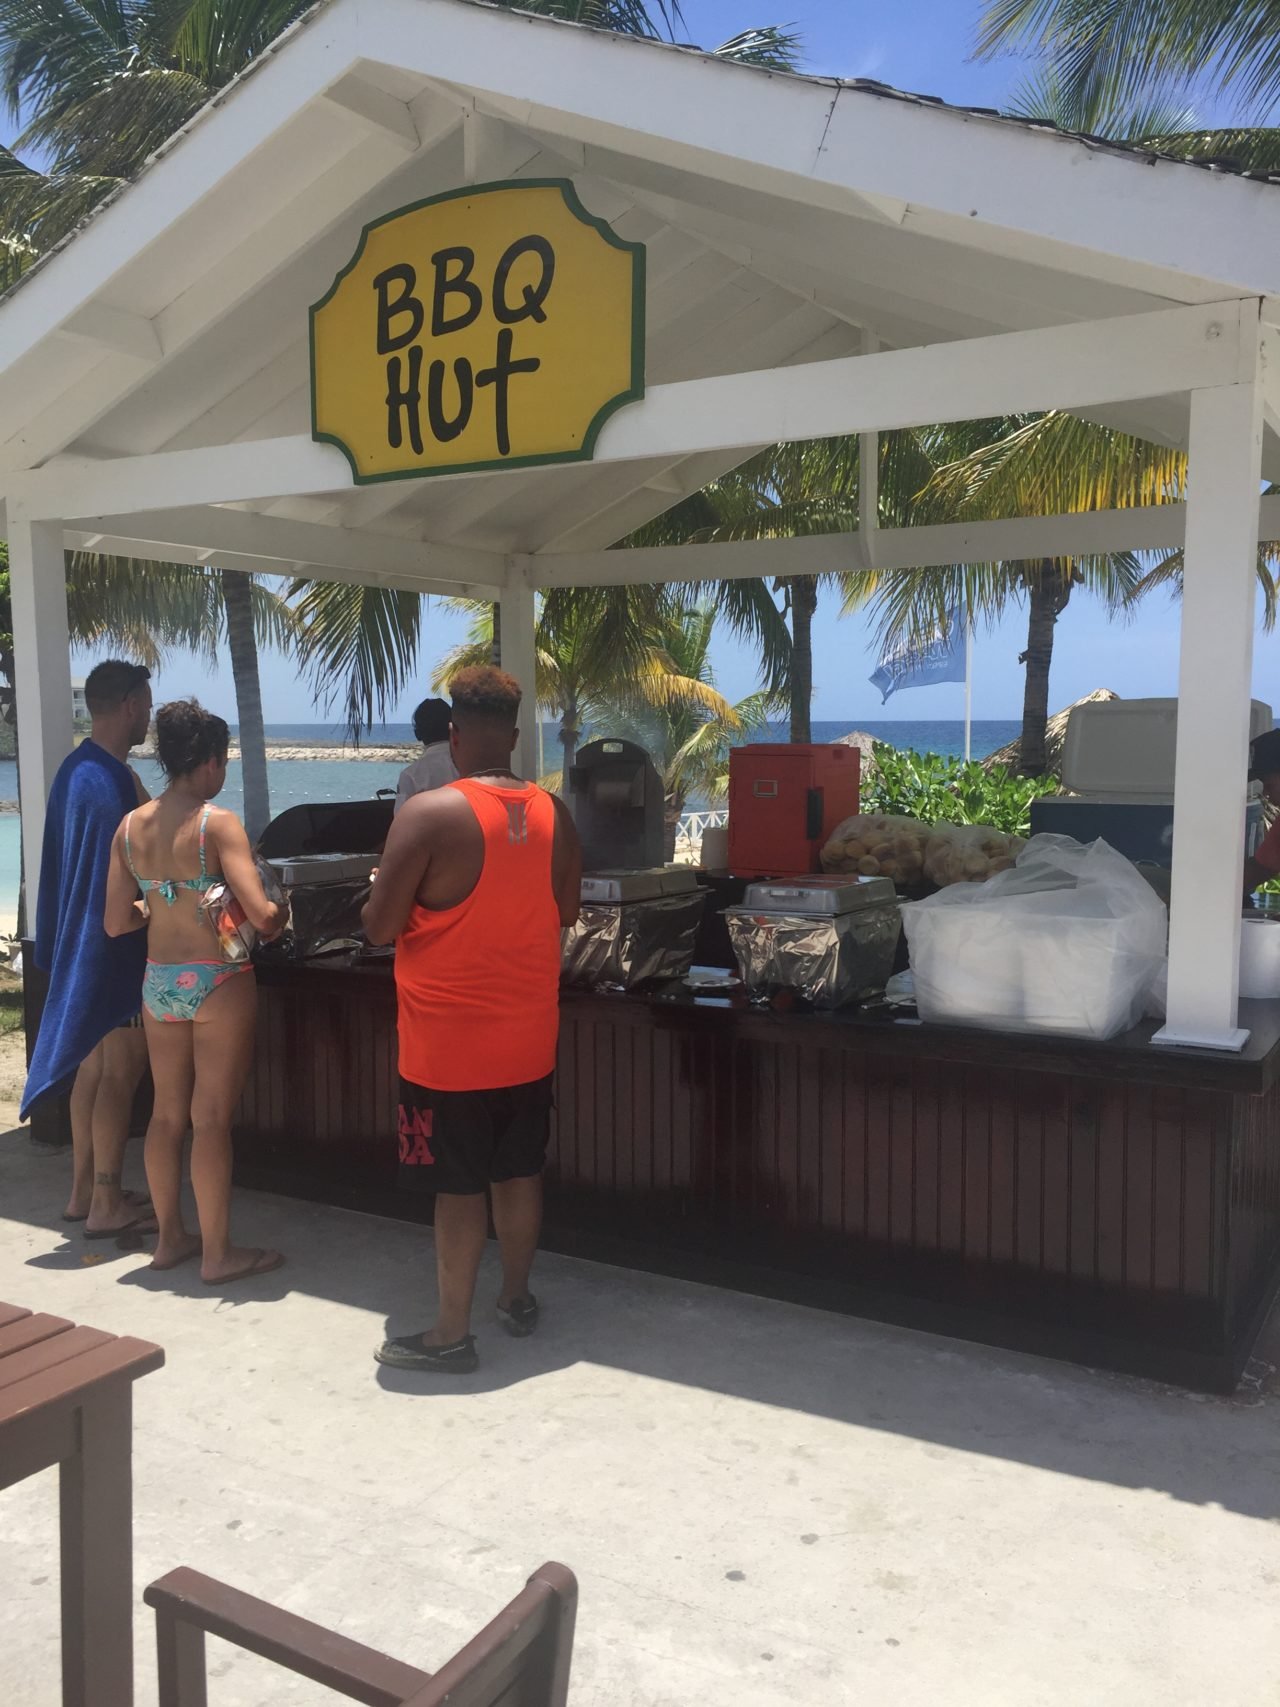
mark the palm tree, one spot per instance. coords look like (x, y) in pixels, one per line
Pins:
(104, 85)
(1053, 463)
(107, 83)
(1032, 465)
(147, 608)
(686, 732)
(1026, 465)
(1125, 52)
(807, 487)
(590, 642)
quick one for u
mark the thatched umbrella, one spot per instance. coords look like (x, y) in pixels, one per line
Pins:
(1054, 741)
(866, 745)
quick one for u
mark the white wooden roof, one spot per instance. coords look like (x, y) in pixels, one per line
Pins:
(785, 217)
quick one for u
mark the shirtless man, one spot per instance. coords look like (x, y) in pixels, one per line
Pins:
(92, 1023)
(476, 881)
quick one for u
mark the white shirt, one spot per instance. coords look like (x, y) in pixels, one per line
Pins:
(433, 770)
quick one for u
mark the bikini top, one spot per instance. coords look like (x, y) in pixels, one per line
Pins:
(167, 887)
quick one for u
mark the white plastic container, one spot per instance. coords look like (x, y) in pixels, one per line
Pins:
(715, 848)
(1123, 749)
(1260, 957)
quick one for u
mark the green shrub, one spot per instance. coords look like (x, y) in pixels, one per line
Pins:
(949, 791)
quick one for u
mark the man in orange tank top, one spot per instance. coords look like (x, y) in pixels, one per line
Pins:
(476, 881)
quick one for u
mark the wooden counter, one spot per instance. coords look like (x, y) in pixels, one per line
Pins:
(1113, 1203)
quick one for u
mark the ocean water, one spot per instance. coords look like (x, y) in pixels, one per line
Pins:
(295, 781)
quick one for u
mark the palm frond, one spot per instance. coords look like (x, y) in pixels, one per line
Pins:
(626, 17)
(660, 685)
(358, 645)
(463, 657)
(276, 622)
(1166, 574)
(1052, 464)
(775, 47)
(115, 126)
(1247, 148)
(1131, 50)
(749, 610)
(1045, 96)
(144, 608)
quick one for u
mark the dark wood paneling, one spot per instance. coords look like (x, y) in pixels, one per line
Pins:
(1081, 1201)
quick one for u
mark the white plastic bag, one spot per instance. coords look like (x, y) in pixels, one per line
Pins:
(1073, 940)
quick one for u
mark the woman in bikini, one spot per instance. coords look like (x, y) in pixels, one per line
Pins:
(198, 1011)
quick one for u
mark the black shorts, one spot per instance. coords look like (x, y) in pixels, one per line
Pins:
(459, 1142)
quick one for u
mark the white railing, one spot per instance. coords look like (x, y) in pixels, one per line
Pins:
(692, 824)
(689, 833)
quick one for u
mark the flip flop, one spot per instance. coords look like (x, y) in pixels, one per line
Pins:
(265, 1262)
(135, 1200)
(164, 1267)
(140, 1224)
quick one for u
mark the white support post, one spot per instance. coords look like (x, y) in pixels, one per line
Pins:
(1214, 686)
(868, 477)
(42, 668)
(519, 620)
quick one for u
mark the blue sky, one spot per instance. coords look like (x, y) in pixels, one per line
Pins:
(924, 46)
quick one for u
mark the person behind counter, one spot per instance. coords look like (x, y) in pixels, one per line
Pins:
(92, 1026)
(198, 1010)
(1264, 767)
(475, 883)
(436, 767)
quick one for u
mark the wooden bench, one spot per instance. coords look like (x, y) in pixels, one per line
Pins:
(521, 1659)
(66, 1398)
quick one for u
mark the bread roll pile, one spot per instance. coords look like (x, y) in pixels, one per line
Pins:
(968, 853)
(912, 853)
(872, 845)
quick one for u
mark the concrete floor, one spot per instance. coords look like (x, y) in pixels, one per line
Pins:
(766, 1506)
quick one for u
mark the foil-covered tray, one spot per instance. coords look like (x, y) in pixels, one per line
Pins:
(620, 947)
(323, 917)
(830, 962)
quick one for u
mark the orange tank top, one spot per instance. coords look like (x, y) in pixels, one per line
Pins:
(479, 983)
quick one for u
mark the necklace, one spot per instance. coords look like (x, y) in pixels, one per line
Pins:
(495, 770)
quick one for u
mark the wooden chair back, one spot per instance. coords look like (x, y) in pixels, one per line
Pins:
(520, 1659)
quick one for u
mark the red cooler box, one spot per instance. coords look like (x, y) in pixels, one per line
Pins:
(784, 802)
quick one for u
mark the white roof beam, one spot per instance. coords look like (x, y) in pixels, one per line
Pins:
(172, 551)
(116, 331)
(374, 110)
(218, 533)
(1063, 367)
(1087, 533)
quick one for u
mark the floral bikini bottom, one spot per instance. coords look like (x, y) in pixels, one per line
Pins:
(178, 992)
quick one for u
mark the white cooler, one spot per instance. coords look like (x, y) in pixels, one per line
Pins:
(1260, 957)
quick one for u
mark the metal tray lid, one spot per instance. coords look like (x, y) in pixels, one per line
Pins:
(297, 870)
(810, 896)
(615, 886)
(679, 880)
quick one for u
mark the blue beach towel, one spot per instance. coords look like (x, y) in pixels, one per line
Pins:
(95, 981)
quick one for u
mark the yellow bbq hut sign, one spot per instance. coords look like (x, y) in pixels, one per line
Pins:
(492, 327)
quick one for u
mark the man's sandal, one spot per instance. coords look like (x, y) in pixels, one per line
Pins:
(520, 1317)
(411, 1353)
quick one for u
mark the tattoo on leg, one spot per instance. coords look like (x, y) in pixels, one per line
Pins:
(106, 1179)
